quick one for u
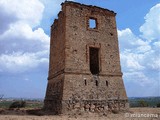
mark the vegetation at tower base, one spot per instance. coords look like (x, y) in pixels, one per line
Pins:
(18, 104)
(84, 68)
(158, 105)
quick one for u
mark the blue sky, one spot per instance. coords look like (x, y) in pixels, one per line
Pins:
(24, 44)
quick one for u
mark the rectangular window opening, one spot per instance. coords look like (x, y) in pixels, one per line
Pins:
(94, 60)
(106, 83)
(92, 23)
(85, 82)
(96, 83)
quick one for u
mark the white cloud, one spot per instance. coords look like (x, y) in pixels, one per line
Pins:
(132, 61)
(129, 41)
(140, 55)
(22, 38)
(5, 20)
(151, 28)
(138, 77)
(126, 38)
(155, 64)
(20, 62)
(152, 60)
(22, 48)
(28, 11)
(157, 44)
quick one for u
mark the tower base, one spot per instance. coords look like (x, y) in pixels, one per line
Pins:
(79, 107)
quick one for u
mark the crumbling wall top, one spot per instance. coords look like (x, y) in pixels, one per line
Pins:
(95, 8)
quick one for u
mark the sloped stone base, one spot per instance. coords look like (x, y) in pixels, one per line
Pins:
(80, 107)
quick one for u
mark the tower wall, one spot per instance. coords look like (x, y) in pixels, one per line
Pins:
(54, 90)
(73, 85)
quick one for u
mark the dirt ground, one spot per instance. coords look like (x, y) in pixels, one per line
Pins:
(132, 114)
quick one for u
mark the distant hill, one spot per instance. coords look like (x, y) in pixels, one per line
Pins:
(148, 101)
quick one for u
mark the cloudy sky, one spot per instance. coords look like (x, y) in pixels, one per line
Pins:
(25, 38)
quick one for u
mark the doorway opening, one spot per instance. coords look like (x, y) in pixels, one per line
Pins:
(94, 60)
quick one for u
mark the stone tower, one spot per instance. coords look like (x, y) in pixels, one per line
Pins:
(84, 68)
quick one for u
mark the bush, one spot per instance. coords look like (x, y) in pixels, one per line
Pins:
(18, 104)
(158, 105)
(143, 103)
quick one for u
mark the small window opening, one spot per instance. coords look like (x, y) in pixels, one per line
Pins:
(111, 34)
(85, 82)
(94, 60)
(96, 82)
(92, 23)
(107, 83)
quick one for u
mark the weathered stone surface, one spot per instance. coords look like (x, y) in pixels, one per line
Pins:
(84, 70)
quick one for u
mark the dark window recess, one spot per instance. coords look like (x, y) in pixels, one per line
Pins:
(92, 23)
(85, 82)
(94, 60)
(111, 34)
(96, 82)
(107, 83)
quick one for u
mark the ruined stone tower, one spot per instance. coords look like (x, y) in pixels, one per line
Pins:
(84, 69)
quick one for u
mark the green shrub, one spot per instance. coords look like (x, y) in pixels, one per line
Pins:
(5, 104)
(158, 105)
(18, 104)
(143, 103)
